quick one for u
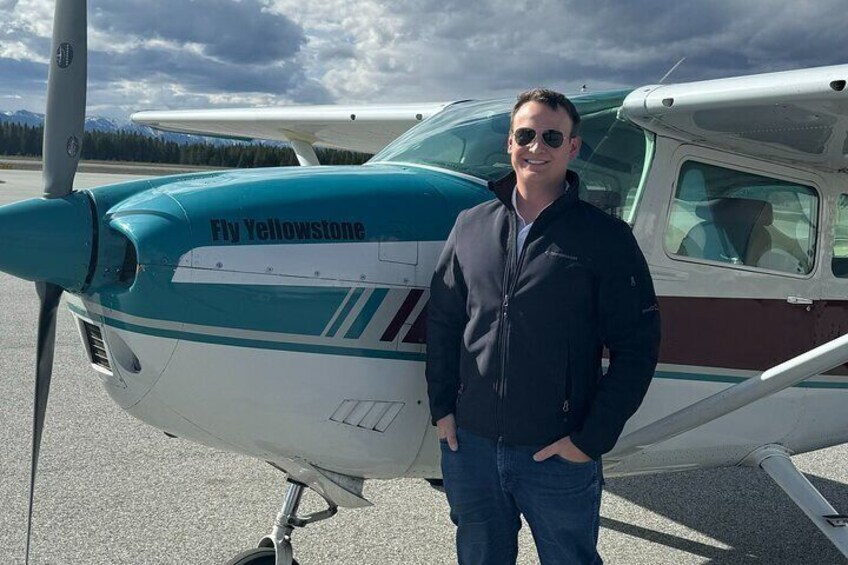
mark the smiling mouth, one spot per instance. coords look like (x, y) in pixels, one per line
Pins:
(534, 162)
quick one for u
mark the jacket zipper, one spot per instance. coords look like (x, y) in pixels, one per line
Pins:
(510, 244)
(511, 273)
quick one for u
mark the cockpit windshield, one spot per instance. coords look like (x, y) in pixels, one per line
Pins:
(470, 138)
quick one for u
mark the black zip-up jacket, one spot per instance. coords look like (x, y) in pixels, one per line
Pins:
(515, 338)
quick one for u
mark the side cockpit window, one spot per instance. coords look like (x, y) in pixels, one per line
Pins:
(839, 263)
(738, 218)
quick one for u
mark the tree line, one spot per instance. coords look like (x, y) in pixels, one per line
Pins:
(24, 140)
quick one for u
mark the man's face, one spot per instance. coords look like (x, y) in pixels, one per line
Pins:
(537, 163)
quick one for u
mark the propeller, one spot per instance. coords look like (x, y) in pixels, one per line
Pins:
(63, 131)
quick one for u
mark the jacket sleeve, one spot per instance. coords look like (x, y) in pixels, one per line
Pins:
(446, 321)
(629, 322)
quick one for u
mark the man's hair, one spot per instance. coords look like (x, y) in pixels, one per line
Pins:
(553, 99)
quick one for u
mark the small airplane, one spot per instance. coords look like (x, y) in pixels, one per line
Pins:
(280, 313)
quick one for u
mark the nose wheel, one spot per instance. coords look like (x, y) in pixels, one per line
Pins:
(259, 556)
(276, 549)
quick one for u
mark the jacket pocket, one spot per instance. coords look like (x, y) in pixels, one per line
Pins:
(555, 253)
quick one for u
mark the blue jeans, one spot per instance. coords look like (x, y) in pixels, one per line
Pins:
(490, 484)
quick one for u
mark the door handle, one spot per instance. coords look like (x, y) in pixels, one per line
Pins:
(799, 300)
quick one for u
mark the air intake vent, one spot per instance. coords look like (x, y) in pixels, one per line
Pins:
(371, 415)
(96, 346)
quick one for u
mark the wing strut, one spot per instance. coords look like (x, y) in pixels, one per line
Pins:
(789, 373)
(775, 460)
(305, 153)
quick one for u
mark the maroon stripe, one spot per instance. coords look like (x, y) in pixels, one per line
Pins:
(733, 333)
(405, 310)
(746, 333)
(418, 332)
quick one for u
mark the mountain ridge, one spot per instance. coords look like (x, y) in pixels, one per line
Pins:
(110, 125)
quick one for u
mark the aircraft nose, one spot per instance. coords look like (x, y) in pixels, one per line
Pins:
(48, 240)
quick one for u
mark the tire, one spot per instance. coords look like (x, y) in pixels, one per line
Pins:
(259, 556)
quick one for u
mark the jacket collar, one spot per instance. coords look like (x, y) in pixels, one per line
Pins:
(502, 188)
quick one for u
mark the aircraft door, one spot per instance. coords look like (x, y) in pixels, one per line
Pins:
(743, 238)
(832, 320)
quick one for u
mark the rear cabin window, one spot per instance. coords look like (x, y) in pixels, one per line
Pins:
(839, 263)
(737, 218)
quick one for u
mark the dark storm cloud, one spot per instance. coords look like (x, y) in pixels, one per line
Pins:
(22, 77)
(236, 32)
(567, 43)
(185, 51)
(195, 73)
(718, 39)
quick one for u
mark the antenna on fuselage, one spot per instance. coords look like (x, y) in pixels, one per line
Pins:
(671, 70)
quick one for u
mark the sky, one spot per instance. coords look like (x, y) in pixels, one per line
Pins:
(177, 54)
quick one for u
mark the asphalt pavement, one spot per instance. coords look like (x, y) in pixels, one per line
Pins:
(113, 490)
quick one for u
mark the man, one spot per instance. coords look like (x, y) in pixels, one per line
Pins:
(529, 289)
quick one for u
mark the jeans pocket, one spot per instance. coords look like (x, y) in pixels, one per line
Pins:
(562, 459)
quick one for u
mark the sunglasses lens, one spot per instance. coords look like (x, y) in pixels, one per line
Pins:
(553, 138)
(523, 136)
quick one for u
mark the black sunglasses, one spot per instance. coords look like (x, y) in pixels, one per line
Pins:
(552, 138)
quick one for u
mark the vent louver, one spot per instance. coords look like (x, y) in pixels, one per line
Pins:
(96, 346)
(371, 415)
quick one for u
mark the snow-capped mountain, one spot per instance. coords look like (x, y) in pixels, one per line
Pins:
(109, 125)
(22, 117)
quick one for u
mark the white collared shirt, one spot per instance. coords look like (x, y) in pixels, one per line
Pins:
(523, 226)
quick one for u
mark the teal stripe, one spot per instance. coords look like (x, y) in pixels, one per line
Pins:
(345, 311)
(379, 354)
(676, 375)
(272, 345)
(367, 313)
(681, 376)
(808, 384)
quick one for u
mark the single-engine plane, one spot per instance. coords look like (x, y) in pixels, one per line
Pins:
(281, 313)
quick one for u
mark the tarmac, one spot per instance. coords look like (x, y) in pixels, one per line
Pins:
(113, 490)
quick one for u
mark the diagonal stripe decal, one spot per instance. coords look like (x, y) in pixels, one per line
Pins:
(366, 313)
(418, 332)
(348, 306)
(402, 314)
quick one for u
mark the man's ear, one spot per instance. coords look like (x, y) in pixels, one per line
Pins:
(509, 142)
(574, 147)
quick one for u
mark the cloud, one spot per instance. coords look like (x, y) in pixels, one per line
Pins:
(184, 53)
(242, 32)
(426, 49)
(25, 72)
(209, 53)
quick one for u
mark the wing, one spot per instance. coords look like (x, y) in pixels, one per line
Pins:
(358, 128)
(794, 116)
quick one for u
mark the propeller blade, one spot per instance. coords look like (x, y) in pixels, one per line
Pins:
(64, 123)
(49, 294)
(66, 86)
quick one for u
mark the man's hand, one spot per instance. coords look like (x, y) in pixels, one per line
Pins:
(565, 449)
(446, 429)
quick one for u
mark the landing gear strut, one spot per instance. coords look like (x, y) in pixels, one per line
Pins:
(276, 549)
